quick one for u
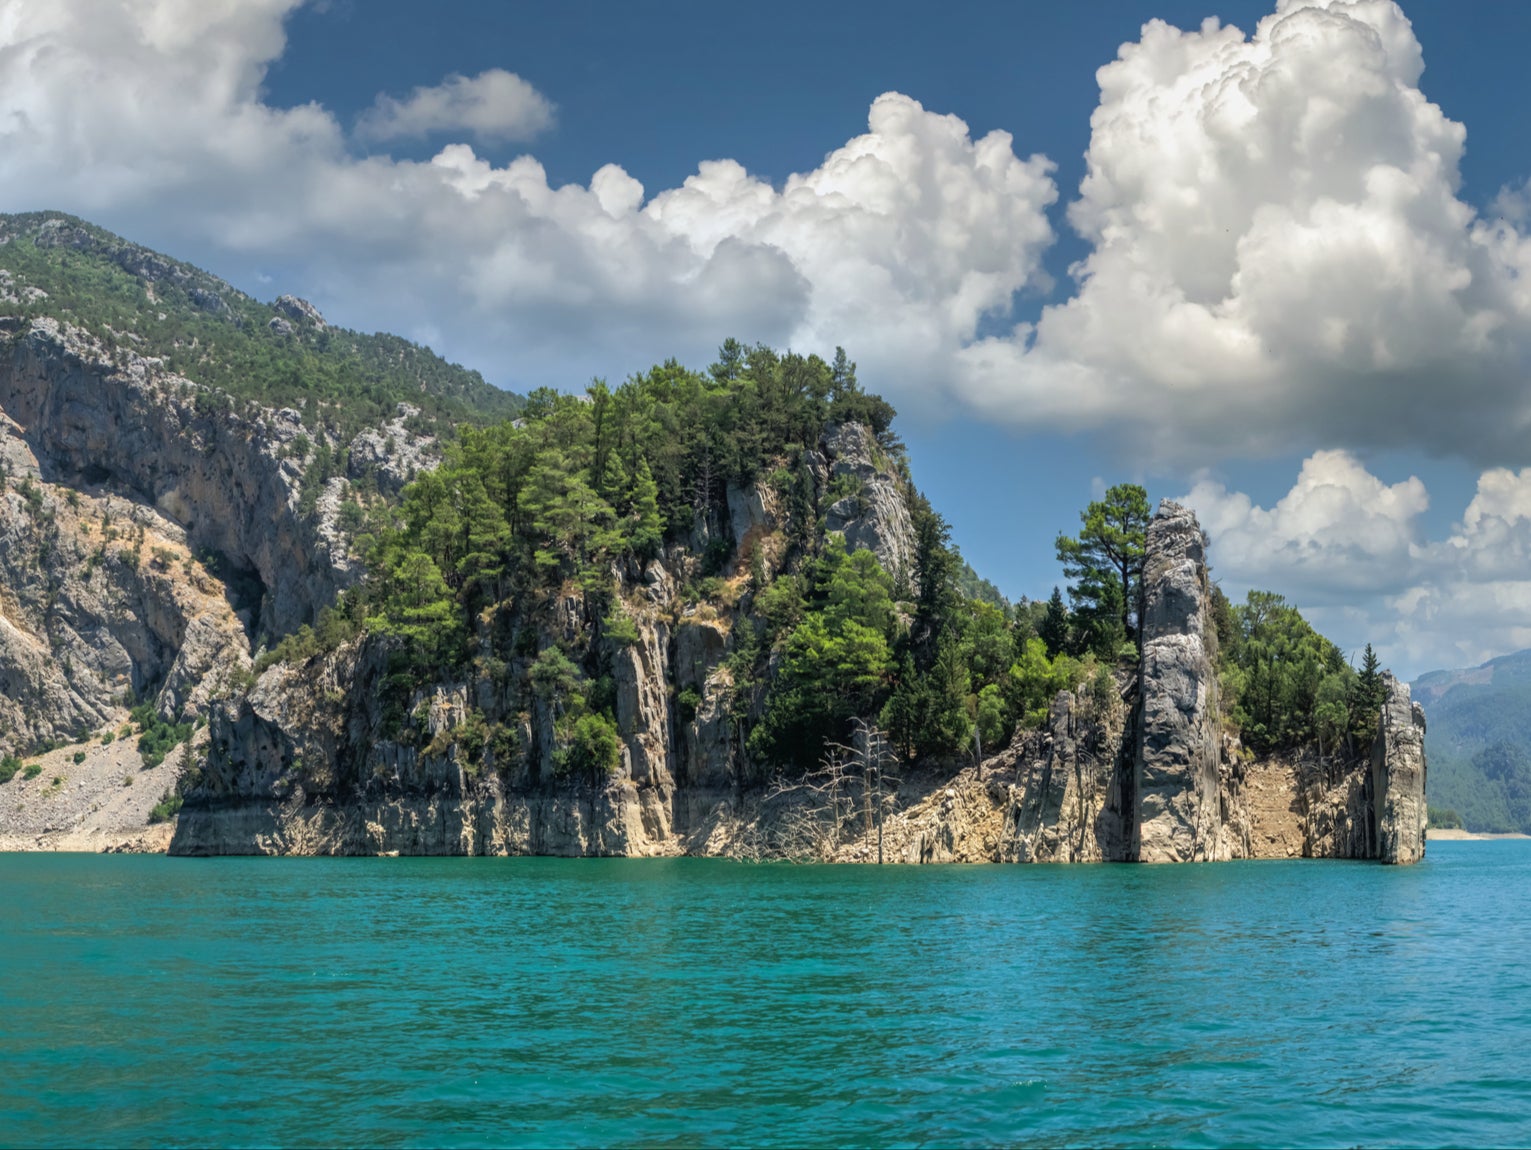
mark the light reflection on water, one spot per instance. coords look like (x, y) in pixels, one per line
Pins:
(537, 1001)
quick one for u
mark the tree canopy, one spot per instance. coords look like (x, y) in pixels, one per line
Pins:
(1105, 564)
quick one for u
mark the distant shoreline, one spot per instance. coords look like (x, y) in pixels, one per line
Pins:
(1456, 835)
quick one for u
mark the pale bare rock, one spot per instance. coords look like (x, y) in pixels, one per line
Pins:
(1398, 777)
(757, 518)
(101, 597)
(1066, 804)
(1176, 786)
(641, 671)
(877, 516)
(105, 417)
(300, 311)
(1274, 805)
(102, 803)
(392, 453)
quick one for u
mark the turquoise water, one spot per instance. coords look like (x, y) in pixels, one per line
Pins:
(146, 1000)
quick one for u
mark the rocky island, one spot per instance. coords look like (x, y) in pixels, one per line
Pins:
(282, 588)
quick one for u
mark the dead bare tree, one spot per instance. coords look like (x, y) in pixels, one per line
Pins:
(817, 814)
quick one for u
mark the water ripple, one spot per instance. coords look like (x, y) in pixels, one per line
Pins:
(406, 1002)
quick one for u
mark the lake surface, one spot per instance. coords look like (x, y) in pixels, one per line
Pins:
(147, 1000)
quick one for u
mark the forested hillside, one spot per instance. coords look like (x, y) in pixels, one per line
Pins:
(278, 355)
(582, 488)
(583, 492)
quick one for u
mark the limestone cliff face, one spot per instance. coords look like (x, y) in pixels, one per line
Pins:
(98, 418)
(876, 516)
(1177, 815)
(100, 597)
(1067, 804)
(1398, 778)
(309, 761)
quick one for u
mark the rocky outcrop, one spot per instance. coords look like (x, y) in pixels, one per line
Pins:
(1133, 767)
(299, 311)
(392, 454)
(1067, 804)
(1398, 777)
(1177, 813)
(100, 599)
(310, 760)
(98, 419)
(875, 515)
(1159, 782)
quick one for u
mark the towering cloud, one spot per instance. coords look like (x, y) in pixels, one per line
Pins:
(1350, 550)
(1279, 255)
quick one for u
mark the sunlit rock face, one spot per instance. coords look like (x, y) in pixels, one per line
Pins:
(1398, 777)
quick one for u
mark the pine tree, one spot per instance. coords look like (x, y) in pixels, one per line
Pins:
(1368, 695)
(1054, 630)
(647, 532)
(1106, 560)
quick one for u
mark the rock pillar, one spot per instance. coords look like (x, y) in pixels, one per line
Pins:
(1398, 778)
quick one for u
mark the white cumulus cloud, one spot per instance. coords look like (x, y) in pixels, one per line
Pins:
(1338, 530)
(1279, 256)
(149, 113)
(1349, 550)
(494, 105)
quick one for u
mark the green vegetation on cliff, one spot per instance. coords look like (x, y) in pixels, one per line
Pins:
(130, 297)
(565, 508)
(1105, 564)
(1283, 686)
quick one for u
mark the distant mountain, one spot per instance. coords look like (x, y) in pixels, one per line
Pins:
(1479, 741)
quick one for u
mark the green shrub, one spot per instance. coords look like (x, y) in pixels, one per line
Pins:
(107, 738)
(8, 768)
(1443, 818)
(79, 757)
(620, 627)
(166, 809)
(159, 738)
(593, 748)
(33, 770)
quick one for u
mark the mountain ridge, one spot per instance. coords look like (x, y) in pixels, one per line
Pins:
(1478, 737)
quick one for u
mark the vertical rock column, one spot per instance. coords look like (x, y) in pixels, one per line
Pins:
(1398, 778)
(1177, 808)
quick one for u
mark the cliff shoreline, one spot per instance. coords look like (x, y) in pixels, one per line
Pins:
(1145, 776)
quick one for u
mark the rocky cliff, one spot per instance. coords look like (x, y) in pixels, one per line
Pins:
(1164, 784)
(1176, 813)
(1141, 772)
(308, 760)
(1398, 779)
(98, 418)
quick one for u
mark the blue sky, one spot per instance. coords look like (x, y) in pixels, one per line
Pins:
(1339, 382)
